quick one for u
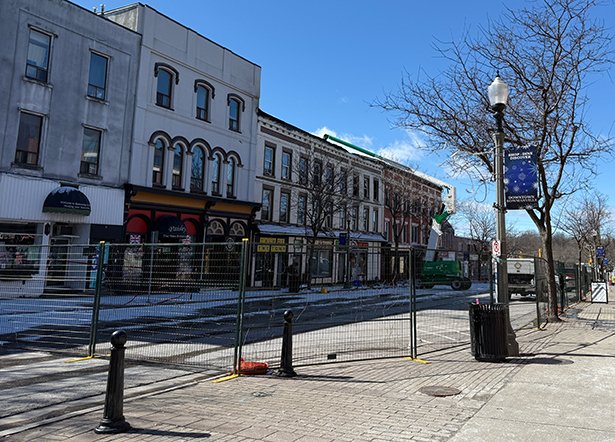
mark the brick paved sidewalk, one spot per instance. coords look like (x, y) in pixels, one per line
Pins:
(364, 401)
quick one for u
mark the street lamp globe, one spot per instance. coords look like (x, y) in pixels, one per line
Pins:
(498, 94)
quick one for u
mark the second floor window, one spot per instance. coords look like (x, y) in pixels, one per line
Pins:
(90, 151)
(366, 219)
(197, 175)
(158, 169)
(164, 88)
(375, 220)
(178, 166)
(284, 206)
(268, 161)
(301, 209)
(230, 178)
(287, 158)
(28, 139)
(366, 187)
(376, 190)
(267, 202)
(37, 64)
(97, 82)
(215, 175)
(355, 218)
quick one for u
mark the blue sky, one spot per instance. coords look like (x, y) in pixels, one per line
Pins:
(323, 62)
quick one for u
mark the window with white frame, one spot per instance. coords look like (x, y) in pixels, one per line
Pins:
(235, 106)
(375, 220)
(366, 219)
(230, 178)
(415, 233)
(178, 166)
(287, 165)
(158, 168)
(197, 174)
(166, 76)
(376, 189)
(37, 63)
(269, 160)
(266, 204)
(301, 209)
(216, 164)
(204, 94)
(366, 187)
(284, 206)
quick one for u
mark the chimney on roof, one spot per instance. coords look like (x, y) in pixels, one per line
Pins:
(102, 9)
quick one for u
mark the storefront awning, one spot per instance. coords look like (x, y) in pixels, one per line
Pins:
(287, 230)
(67, 199)
(170, 227)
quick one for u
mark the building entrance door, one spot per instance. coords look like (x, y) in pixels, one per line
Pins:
(57, 261)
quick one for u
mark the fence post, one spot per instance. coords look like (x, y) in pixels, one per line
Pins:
(96, 307)
(113, 419)
(243, 272)
(413, 338)
(286, 360)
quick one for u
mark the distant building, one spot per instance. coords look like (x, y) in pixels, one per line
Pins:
(289, 161)
(68, 78)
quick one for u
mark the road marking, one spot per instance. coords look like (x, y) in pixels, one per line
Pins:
(225, 378)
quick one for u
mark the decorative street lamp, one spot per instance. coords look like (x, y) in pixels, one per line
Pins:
(498, 98)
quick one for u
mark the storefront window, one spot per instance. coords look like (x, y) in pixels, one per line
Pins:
(19, 256)
(321, 263)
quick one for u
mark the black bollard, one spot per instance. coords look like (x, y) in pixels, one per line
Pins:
(286, 362)
(113, 420)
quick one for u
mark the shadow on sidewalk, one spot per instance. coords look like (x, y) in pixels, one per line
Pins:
(349, 379)
(168, 433)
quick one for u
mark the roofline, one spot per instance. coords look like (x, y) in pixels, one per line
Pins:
(133, 5)
(101, 16)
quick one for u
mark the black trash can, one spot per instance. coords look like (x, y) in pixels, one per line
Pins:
(488, 332)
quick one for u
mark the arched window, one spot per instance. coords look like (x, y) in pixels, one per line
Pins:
(230, 178)
(197, 176)
(202, 103)
(166, 75)
(178, 163)
(205, 92)
(236, 105)
(158, 169)
(164, 88)
(215, 175)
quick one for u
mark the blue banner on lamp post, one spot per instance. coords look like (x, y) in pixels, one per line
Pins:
(520, 177)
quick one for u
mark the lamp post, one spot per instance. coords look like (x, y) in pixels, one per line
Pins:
(498, 98)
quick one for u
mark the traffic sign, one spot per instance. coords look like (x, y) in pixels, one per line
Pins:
(496, 248)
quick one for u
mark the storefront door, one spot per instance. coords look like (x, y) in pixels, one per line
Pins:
(57, 261)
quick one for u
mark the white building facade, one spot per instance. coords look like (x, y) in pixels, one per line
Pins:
(66, 125)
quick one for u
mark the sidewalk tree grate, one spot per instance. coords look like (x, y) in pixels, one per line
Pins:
(439, 391)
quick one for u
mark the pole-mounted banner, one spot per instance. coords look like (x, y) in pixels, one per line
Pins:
(520, 177)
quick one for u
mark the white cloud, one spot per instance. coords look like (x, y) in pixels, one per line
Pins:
(364, 141)
(404, 151)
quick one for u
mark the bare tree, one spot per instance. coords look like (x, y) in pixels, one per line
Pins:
(586, 223)
(547, 54)
(321, 195)
(481, 226)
